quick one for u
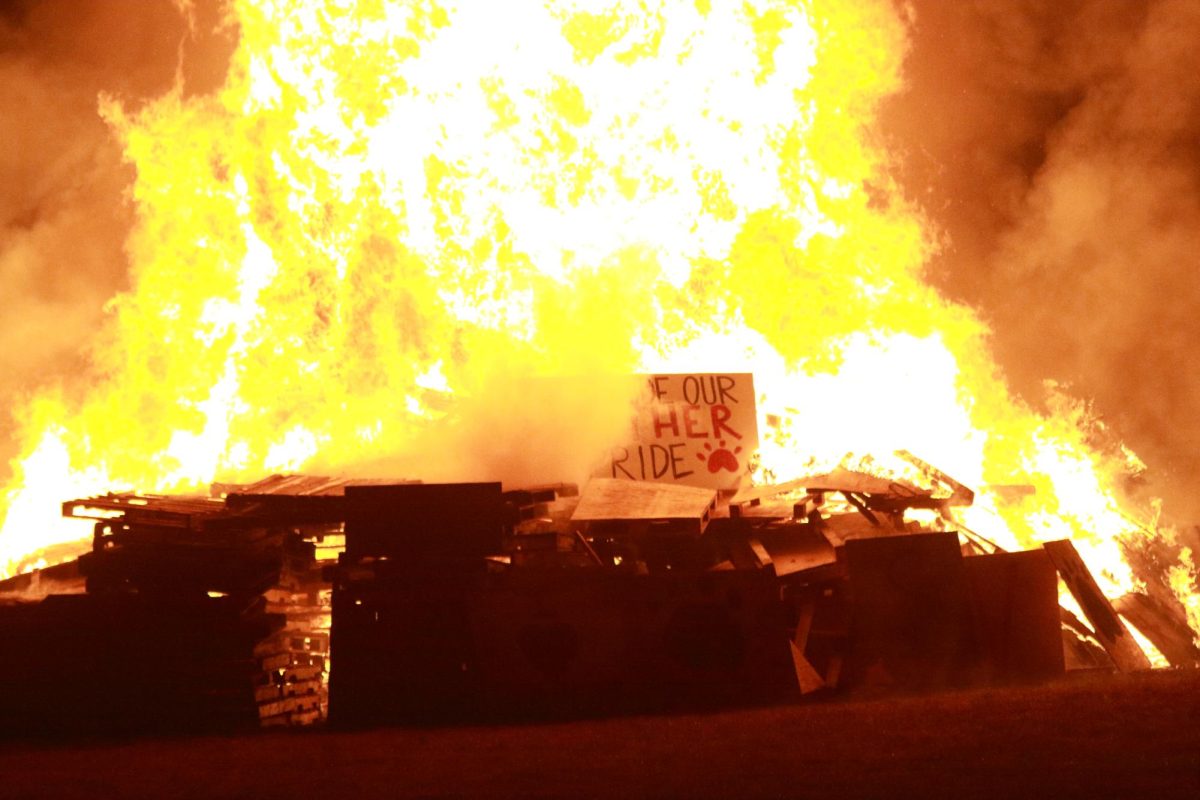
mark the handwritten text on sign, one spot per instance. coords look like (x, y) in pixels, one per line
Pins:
(697, 429)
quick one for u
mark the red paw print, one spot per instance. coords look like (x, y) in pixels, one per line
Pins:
(720, 458)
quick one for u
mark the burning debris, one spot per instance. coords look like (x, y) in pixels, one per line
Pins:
(219, 599)
(296, 598)
(325, 275)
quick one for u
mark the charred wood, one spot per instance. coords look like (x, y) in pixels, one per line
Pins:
(1107, 626)
(1173, 638)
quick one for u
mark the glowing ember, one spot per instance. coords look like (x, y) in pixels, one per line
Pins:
(390, 214)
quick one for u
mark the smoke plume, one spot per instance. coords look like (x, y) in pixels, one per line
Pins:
(1058, 148)
(64, 213)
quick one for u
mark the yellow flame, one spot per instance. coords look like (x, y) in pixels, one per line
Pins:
(1184, 579)
(391, 213)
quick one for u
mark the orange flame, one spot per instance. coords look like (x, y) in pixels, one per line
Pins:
(351, 254)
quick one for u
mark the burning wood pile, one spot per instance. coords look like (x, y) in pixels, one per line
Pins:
(460, 600)
(188, 613)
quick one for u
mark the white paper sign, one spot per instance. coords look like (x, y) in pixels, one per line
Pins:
(693, 429)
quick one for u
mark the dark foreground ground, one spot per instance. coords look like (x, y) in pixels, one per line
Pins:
(1096, 737)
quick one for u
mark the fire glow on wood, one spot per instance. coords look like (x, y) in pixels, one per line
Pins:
(462, 601)
(353, 255)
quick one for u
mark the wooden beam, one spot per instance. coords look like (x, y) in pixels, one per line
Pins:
(806, 612)
(760, 552)
(1172, 637)
(1110, 631)
(845, 480)
(610, 499)
(807, 677)
(960, 494)
(753, 495)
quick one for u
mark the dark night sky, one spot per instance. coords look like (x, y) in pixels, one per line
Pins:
(1056, 146)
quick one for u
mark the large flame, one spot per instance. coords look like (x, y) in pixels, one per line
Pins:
(391, 214)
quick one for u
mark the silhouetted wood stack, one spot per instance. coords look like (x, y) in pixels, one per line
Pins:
(290, 686)
(212, 606)
(129, 662)
(248, 548)
(455, 601)
(402, 647)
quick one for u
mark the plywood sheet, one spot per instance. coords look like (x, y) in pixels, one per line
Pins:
(614, 499)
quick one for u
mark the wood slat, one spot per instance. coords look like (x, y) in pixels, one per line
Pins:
(1109, 629)
(613, 499)
(1172, 636)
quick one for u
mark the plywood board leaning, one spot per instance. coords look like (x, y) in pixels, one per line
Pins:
(1109, 630)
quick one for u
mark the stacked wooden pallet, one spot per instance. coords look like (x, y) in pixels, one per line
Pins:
(188, 547)
(454, 600)
(290, 688)
(189, 612)
(130, 662)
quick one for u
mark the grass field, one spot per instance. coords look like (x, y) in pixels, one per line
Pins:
(1134, 736)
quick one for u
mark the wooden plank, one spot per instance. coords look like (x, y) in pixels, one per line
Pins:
(60, 579)
(271, 663)
(286, 508)
(807, 676)
(796, 548)
(540, 495)
(306, 702)
(760, 552)
(305, 717)
(912, 623)
(960, 494)
(1082, 653)
(302, 673)
(1172, 636)
(804, 621)
(841, 528)
(301, 688)
(267, 694)
(844, 480)
(174, 511)
(833, 672)
(772, 509)
(1109, 630)
(295, 485)
(615, 499)
(1014, 597)
(753, 495)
